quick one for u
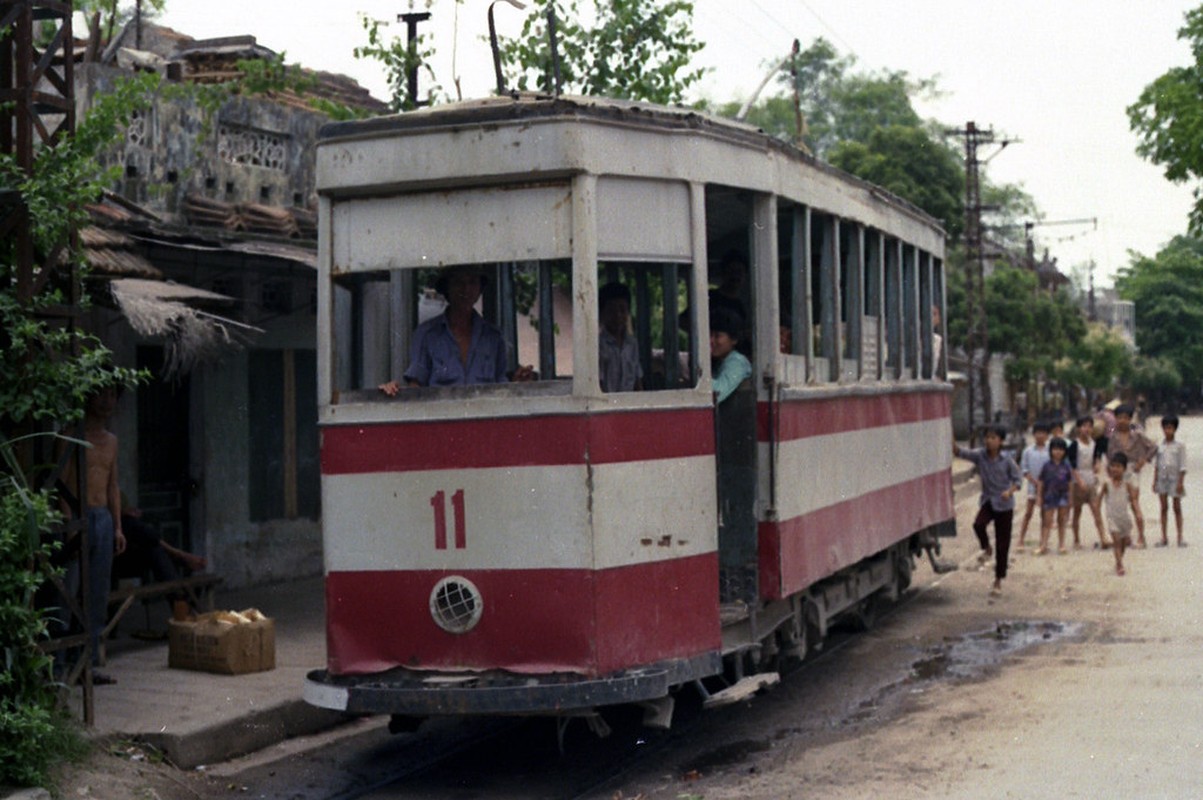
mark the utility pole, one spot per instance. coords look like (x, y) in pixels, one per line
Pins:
(977, 340)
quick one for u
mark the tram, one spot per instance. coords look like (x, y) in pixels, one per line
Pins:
(545, 547)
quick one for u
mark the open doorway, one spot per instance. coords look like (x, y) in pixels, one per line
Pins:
(164, 488)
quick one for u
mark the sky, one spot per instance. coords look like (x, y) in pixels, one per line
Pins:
(1055, 76)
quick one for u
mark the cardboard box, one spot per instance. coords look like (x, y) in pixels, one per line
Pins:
(228, 642)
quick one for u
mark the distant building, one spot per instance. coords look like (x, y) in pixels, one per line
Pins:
(1119, 315)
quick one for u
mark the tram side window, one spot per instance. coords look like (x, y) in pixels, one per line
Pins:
(649, 347)
(400, 326)
(794, 328)
(824, 276)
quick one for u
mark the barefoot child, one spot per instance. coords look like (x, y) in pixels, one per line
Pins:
(1168, 476)
(1119, 495)
(1084, 456)
(1052, 493)
(1000, 481)
(1137, 450)
(1031, 462)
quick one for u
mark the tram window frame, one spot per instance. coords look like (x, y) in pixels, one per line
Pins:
(873, 308)
(375, 314)
(640, 278)
(910, 312)
(892, 256)
(939, 303)
(825, 301)
(851, 282)
(793, 282)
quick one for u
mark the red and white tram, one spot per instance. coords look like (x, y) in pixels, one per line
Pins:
(546, 547)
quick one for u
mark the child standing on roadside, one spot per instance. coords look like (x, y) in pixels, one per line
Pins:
(1119, 495)
(1084, 456)
(1052, 493)
(1168, 476)
(1031, 462)
(1138, 451)
(1000, 481)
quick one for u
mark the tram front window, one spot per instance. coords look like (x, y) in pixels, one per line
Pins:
(462, 325)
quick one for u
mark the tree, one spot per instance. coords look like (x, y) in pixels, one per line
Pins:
(907, 161)
(1096, 361)
(1034, 327)
(46, 371)
(1156, 378)
(1168, 292)
(1168, 118)
(632, 50)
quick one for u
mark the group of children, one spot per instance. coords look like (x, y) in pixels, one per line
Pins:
(1061, 476)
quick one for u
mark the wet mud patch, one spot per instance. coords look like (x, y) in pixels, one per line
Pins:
(726, 756)
(974, 655)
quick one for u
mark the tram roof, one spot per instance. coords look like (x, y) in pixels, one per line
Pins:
(528, 106)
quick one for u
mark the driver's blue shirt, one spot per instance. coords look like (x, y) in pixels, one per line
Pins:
(434, 357)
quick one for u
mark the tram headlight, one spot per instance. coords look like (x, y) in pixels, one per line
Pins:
(456, 604)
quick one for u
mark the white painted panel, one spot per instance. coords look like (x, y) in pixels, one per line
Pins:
(643, 219)
(820, 471)
(653, 510)
(435, 229)
(515, 518)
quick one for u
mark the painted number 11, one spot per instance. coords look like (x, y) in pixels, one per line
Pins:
(439, 504)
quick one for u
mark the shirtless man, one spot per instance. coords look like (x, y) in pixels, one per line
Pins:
(103, 509)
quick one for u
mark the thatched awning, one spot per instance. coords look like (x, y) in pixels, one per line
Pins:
(180, 314)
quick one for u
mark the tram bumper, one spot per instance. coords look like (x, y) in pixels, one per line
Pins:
(404, 692)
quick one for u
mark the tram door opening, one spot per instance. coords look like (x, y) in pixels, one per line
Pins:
(729, 228)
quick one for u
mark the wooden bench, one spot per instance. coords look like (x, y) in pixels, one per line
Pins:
(197, 588)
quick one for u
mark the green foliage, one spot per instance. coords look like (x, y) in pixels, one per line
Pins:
(627, 49)
(909, 162)
(270, 76)
(1168, 292)
(39, 381)
(1096, 361)
(1168, 118)
(398, 57)
(34, 732)
(46, 371)
(1154, 376)
(866, 123)
(114, 15)
(1034, 327)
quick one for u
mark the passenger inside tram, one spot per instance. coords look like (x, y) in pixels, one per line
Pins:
(459, 346)
(618, 350)
(730, 367)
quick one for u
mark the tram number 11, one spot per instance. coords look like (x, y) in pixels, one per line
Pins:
(439, 504)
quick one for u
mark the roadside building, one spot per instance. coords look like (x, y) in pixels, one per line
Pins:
(203, 262)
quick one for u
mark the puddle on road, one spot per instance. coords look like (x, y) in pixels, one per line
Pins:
(970, 655)
(956, 658)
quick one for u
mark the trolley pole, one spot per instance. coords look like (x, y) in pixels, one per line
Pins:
(977, 339)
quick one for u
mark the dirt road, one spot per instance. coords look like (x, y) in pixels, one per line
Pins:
(1107, 703)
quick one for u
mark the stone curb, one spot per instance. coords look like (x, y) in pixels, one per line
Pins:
(243, 735)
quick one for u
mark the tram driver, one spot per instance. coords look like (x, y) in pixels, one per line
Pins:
(458, 347)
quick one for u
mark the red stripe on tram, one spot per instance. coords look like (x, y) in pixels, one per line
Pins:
(608, 438)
